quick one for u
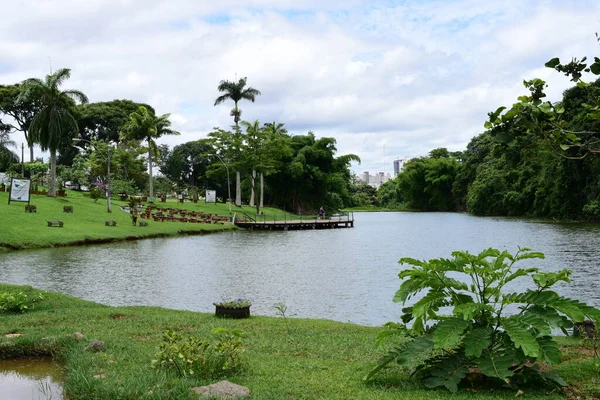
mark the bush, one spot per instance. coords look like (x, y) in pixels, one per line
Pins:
(19, 302)
(480, 340)
(202, 358)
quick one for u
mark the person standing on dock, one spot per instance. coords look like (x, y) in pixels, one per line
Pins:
(321, 213)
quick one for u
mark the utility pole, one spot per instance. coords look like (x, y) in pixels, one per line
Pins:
(22, 158)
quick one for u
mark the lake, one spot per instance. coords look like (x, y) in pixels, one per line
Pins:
(347, 275)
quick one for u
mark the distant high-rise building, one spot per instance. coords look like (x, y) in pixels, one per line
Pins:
(398, 165)
(366, 176)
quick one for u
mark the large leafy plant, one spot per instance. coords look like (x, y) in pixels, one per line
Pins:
(489, 335)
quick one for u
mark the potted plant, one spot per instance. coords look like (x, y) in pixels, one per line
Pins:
(238, 308)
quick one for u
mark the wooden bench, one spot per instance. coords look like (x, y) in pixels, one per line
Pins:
(30, 208)
(110, 223)
(68, 209)
(142, 223)
(55, 223)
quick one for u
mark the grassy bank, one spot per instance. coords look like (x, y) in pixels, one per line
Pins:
(284, 359)
(86, 224)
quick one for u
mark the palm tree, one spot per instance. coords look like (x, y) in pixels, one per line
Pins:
(6, 155)
(54, 124)
(236, 92)
(144, 125)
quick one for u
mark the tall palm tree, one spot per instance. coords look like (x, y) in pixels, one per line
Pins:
(143, 125)
(236, 91)
(54, 125)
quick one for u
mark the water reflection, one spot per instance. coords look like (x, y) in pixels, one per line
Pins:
(343, 274)
(30, 379)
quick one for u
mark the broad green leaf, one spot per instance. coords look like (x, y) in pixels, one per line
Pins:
(415, 350)
(431, 302)
(555, 62)
(595, 68)
(549, 351)
(568, 307)
(447, 334)
(449, 371)
(469, 310)
(565, 147)
(496, 365)
(554, 377)
(520, 272)
(528, 254)
(476, 341)
(521, 336)
(536, 321)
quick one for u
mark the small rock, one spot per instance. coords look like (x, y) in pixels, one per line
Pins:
(78, 336)
(11, 335)
(96, 346)
(101, 376)
(49, 340)
(222, 390)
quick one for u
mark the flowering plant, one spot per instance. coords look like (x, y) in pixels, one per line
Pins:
(237, 303)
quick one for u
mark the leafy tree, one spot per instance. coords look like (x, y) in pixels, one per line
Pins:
(54, 124)
(21, 110)
(188, 163)
(143, 125)
(426, 183)
(236, 91)
(480, 339)
(389, 195)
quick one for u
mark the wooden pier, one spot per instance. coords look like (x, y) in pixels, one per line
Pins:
(334, 222)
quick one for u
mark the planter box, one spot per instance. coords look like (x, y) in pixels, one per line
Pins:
(224, 312)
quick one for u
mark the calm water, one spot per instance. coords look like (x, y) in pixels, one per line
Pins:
(30, 379)
(343, 275)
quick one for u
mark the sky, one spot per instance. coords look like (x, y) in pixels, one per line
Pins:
(387, 79)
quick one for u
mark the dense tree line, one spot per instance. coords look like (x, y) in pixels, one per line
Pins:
(298, 173)
(517, 167)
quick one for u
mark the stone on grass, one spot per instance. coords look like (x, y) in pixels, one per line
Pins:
(222, 390)
(78, 336)
(49, 340)
(96, 346)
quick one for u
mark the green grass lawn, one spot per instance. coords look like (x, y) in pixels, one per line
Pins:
(303, 359)
(86, 224)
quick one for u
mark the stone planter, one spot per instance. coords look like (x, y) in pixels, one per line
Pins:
(224, 312)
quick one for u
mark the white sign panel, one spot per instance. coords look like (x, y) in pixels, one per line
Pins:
(211, 196)
(19, 189)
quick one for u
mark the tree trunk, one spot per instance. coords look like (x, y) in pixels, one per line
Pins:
(151, 195)
(52, 178)
(238, 189)
(30, 153)
(252, 194)
(262, 190)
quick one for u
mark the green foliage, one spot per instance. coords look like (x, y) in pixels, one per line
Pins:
(479, 335)
(426, 183)
(193, 356)
(120, 186)
(18, 302)
(237, 303)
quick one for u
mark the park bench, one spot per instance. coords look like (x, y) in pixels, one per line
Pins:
(55, 223)
(30, 208)
(68, 209)
(110, 223)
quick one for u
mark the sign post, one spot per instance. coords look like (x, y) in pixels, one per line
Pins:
(20, 190)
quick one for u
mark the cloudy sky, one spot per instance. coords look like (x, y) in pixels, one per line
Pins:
(387, 79)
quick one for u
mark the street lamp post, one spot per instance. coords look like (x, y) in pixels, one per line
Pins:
(228, 184)
(108, 206)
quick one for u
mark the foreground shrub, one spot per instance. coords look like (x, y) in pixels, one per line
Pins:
(19, 302)
(480, 340)
(203, 358)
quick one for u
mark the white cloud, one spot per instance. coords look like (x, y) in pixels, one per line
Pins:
(405, 76)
